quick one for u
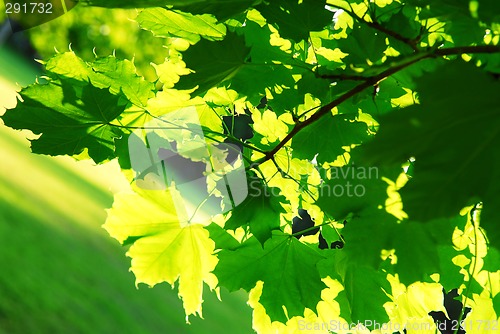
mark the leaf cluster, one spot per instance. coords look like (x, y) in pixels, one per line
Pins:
(367, 132)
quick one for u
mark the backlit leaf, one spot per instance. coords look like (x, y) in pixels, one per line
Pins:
(169, 23)
(69, 119)
(162, 250)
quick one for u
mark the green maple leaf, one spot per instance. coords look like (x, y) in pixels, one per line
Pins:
(120, 76)
(253, 78)
(488, 11)
(69, 119)
(352, 189)
(417, 245)
(260, 211)
(213, 62)
(416, 248)
(169, 23)
(421, 250)
(108, 72)
(296, 20)
(285, 265)
(222, 239)
(328, 137)
(365, 293)
(365, 288)
(262, 51)
(496, 303)
(402, 22)
(461, 25)
(162, 250)
(364, 44)
(453, 134)
(453, 275)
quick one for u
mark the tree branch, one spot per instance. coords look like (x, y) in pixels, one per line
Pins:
(352, 77)
(371, 81)
(458, 50)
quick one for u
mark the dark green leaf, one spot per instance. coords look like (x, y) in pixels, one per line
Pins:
(285, 265)
(260, 211)
(213, 62)
(223, 240)
(351, 189)
(295, 20)
(328, 137)
(496, 303)
(363, 286)
(364, 45)
(453, 134)
(69, 119)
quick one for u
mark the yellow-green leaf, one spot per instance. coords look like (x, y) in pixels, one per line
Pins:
(169, 23)
(162, 250)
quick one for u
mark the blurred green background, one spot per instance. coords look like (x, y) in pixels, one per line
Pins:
(91, 31)
(59, 270)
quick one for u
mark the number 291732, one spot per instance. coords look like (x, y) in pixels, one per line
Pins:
(28, 8)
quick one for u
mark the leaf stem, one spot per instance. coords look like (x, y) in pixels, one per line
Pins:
(310, 229)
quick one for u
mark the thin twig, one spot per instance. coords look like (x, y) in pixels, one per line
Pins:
(343, 77)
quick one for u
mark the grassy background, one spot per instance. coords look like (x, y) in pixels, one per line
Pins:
(59, 271)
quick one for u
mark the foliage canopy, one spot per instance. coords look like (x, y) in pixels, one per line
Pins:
(379, 119)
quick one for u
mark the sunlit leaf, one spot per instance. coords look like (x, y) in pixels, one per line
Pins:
(169, 23)
(69, 119)
(162, 250)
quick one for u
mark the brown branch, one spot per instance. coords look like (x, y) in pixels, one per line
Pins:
(458, 50)
(343, 77)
